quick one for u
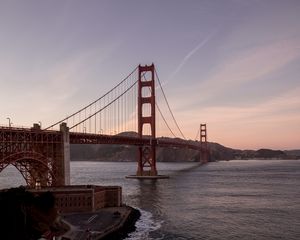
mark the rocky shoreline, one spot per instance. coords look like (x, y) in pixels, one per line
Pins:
(26, 216)
(106, 223)
(127, 227)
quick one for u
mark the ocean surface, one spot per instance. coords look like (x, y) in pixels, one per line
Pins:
(221, 200)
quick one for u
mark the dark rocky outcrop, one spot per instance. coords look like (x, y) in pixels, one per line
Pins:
(127, 227)
(27, 216)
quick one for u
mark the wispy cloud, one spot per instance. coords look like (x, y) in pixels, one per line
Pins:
(272, 123)
(273, 109)
(252, 65)
(60, 90)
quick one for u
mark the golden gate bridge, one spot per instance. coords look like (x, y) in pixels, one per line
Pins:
(43, 155)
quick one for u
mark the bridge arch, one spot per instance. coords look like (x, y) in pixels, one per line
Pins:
(32, 165)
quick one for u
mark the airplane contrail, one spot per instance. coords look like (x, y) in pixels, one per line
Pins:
(189, 55)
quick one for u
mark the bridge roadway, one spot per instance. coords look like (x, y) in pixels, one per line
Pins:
(88, 138)
(43, 155)
(15, 136)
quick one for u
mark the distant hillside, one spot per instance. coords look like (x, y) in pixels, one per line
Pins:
(295, 153)
(217, 152)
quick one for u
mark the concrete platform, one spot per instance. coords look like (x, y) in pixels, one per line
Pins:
(147, 177)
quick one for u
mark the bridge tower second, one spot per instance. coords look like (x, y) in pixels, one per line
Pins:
(146, 153)
(204, 152)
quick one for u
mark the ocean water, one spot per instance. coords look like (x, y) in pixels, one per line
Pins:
(221, 200)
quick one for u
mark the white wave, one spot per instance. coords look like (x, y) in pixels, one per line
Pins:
(144, 226)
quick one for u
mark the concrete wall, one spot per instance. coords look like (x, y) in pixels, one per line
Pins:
(66, 152)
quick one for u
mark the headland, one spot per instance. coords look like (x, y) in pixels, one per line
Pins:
(66, 212)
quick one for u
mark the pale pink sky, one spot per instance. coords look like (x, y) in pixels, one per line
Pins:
(234, 64)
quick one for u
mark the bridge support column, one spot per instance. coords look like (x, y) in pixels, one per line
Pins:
(147, 161)
(147, 154)
(203, 144)
(65, 153)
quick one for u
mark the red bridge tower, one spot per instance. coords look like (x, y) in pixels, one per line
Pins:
(147, 153)
(203, 144)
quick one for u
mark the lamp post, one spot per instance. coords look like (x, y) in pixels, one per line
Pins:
(9, 121)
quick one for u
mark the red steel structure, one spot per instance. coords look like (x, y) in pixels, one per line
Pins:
(35, 153)
(204, 153)
(42, 156)
(147, 152)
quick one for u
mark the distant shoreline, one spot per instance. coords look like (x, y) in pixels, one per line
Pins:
(121, 153)
(249, 159)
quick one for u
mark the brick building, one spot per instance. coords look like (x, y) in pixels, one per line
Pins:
(84, 198)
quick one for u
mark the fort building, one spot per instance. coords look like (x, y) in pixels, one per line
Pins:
(83, 198)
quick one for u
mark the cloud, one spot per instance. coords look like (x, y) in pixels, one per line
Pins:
(55, 89)
(251, 65)
(273, 123)
(283, 107)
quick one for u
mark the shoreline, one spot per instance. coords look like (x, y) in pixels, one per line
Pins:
(105, 224)
(125, 228)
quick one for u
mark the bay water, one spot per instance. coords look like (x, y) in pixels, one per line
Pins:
(253, 199)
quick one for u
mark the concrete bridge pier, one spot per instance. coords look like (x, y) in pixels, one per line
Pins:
(65, 153)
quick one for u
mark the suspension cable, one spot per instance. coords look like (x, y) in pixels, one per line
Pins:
(93, 101)
(161, 114)
(164, 119)
(105, 106)
(168, 104)
(198, 132)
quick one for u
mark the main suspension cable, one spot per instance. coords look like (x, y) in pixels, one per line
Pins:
(105, 106)
(92, 102)
(169, 105)
(161, 114)
(198, 132)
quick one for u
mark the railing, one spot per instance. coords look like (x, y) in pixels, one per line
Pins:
(15, 127)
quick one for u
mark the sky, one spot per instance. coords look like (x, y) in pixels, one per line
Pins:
(232, 64)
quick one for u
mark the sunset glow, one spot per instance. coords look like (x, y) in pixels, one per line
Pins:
(234, 65)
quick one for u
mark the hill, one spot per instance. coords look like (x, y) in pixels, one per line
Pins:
(217, 152)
